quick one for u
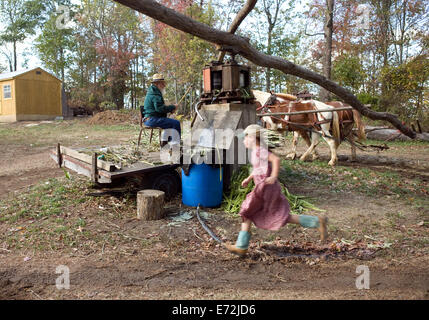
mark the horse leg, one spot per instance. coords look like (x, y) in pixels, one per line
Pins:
(308, 141)
(292, 155)
(332, 144)
(314, 142)
(333, 147)
(268, 122)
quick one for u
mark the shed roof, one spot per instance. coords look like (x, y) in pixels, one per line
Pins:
(13, 75)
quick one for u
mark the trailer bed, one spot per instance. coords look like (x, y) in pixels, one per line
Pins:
(103, 172)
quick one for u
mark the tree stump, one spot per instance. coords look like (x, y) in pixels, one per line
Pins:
(150, 205)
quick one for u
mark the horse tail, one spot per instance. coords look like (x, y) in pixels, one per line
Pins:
(336, 128)
(359, 124)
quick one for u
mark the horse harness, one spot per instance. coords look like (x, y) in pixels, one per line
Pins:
(315, 125)
(311, 127)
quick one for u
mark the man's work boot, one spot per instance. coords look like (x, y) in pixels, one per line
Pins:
(323, 228)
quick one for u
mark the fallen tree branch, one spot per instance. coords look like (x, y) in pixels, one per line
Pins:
(244, 12)
(241, 45)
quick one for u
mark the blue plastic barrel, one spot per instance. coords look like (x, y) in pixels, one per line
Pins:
(203, 186)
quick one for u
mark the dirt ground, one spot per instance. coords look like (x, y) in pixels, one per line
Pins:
(21, 167)
(114, 256)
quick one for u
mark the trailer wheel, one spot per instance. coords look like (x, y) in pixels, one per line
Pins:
(168, 182)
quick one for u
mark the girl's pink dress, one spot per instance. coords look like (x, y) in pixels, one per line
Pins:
(265, 206)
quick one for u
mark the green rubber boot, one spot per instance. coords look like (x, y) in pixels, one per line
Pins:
(241, 246)
(315, 222)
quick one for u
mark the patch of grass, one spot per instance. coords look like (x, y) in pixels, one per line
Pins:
(80, 223)
(271, 238)
(44, 200)
(346, 179)
(398, 143)
(48, 217)
(66, 132)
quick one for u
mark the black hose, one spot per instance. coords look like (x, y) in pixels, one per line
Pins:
(211, 233)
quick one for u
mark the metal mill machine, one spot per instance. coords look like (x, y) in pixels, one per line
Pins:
(226, 103)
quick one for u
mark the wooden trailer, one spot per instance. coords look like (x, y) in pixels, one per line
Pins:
(159, 176)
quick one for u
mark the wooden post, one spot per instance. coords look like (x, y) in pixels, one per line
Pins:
(150, 205)
(94, 169)
(59, 157)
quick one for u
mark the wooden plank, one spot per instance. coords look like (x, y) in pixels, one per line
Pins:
(103, 176)
(82, 168)
(94, 169)
(129, 172)
(88, 159)
(302, 112)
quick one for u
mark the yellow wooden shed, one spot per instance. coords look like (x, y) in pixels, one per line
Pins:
(30, 95)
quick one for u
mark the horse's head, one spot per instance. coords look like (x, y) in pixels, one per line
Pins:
(264, 98)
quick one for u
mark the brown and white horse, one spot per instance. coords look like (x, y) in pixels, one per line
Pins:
(334, 127)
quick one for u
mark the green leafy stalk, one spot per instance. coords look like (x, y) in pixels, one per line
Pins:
(232, 201)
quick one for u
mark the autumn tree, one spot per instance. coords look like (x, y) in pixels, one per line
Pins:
(56, 42)
(112, 29)
(180, 56)
(20, 19)
(242, 46)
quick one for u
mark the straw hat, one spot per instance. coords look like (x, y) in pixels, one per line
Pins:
(253, 129)
(157, 78)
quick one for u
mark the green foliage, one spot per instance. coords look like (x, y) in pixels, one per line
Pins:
(367, 98)
(348, 72)
(407, 87)
(233, 200)
(55, 46)
(19, 19)
(108, 105)
(181, 56)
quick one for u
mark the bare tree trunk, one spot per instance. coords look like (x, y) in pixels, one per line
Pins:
(131, 80)
(327, 57)
(62, 64)
(175, 90)
(143, 78)
(15, 59)
(241, 45)
(385, 23)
